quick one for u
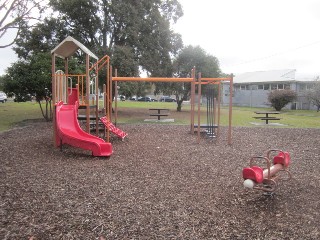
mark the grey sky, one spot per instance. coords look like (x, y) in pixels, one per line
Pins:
(247, 35)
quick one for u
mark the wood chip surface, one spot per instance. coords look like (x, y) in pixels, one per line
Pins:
(159, 184)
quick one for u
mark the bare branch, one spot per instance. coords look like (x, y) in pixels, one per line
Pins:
(15, 14)
(9, 10)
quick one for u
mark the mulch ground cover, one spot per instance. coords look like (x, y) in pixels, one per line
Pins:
(158, 184)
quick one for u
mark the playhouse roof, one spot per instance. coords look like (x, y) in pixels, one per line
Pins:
(283, 75)
(69, 46)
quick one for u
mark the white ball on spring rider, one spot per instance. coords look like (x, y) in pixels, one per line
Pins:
(248, 183)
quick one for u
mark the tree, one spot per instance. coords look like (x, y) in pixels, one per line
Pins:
(1, 82)
(25, 78)
(141, 28)
(188, 58)
(280, 98)
(313, 94)
(135, 32)
(32, 77)
(16, 13)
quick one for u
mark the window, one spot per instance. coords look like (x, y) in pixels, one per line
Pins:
(266, 86)
(287, 86)
(274, 86)
(260, 87)
(308, 86)
(242, 87)
(280, 86)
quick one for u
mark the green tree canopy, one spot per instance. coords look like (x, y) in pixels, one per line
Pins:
(135, 34)
(188, 58)
(32, 77)
(141, 29)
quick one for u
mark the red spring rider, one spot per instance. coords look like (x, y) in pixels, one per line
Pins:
(265, 179)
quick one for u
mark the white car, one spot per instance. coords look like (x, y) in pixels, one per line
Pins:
(3, 97)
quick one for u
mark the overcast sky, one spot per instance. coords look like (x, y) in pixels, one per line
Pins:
(248, 35)
(255, 35)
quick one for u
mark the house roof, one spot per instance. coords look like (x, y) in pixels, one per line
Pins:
(69, 46)
(284, 75)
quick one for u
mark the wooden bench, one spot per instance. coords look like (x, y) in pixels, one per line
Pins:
(159, 114)
(270, 118)
(267, 118)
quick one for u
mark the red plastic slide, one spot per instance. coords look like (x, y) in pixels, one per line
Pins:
(69, 132)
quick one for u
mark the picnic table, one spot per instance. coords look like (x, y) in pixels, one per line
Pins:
(267, 116)
(159, 114)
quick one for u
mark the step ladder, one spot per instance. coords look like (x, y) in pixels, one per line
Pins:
(121, 134)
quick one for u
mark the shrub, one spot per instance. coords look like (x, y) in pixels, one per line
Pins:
(280, 98)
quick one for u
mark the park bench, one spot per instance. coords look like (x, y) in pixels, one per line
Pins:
(267, 118)
(159, 114)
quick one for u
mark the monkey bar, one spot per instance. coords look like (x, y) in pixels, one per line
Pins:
(152, 79)
(194, 82)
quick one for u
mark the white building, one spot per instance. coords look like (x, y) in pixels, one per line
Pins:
(251, 89)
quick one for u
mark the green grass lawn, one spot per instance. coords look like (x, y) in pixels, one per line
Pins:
(289, 118)
(12, 113)
(241, 116)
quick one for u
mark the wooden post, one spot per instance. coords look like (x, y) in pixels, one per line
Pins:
(110, 94)
(53, 100)
(104, 106)
(107, 99)
(87, 94)
(230, 111)
(65, 81)
(82, 91)
(219, 104)
(97, 97)
(192, 99)
(115, 98)
(199, 104)
(214, 116)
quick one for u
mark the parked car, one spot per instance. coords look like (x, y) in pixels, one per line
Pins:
(121, 98)
(144, 99)
(167, 99)
(133, 98)
(3, 97)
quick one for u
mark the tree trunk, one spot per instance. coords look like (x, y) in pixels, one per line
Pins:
(179, 105)
(46, 113)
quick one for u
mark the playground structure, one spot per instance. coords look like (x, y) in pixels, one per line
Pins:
(213, 106)
(266, 179)
(71, 93)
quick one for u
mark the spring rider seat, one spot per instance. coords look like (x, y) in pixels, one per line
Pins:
(266, 179)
